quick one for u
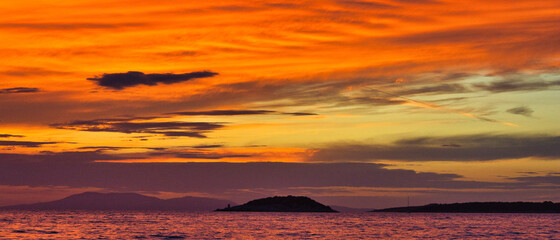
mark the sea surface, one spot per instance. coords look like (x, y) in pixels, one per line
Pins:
(242, 225)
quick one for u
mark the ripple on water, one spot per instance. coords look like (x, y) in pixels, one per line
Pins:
(176, 225)
(48, 232)
(167, 236)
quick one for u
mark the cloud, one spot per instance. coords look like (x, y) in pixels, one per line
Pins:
(417, 1)
(66, 26)
(223, 112)
(510, 45)
(24, 143)
(435, 89)
(18, 90)
(178, 53)
(236, 8)
(487, 35)
(103, 147)
(208, 146)
(457, 148)
(267, 95)
(53, 107)
(548, 179)
(306, 93)
(180, 134)
(366, 4)
(525, 111)
(211, 177)
(9, 135)
(70, 169)
(510, 85)
(430, 105)
(300, 113)
(250, 180)
(119, 81)
(48, 157)
(31, 71)
(125, 125)
(237, 113)
(191, 154)
(377, 101)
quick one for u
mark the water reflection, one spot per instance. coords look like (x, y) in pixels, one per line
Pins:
(239, 225)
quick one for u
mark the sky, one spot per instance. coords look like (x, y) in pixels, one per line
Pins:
(350, 102)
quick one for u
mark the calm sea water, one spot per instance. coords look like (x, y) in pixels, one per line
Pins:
(231, 225)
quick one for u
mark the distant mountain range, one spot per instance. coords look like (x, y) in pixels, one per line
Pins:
(280, 204)
(126, 201)
(482, 207)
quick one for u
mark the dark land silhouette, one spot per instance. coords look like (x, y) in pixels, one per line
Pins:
(125, 201)
(281, 204)
(482, 207)
(350, 209)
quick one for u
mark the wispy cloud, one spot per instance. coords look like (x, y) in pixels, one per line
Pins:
(436, 88)
(66, 26)
(366, 4)
(430, 105)
(510, 85)
(31, 71)
(197, 154)
(208, 146)
(238, 113)
(18, 90)
(223, 112)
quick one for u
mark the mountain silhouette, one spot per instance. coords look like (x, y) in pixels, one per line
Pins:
(125, 201)
(281, 204)
(482, 207)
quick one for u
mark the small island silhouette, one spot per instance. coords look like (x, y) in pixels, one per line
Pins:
(482, 207)
(280, 204)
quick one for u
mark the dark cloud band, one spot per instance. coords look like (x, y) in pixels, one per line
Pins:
(9, 135)
(455, 148)
(24, 143)
(223, 112)
(126, 125)
(119, 81)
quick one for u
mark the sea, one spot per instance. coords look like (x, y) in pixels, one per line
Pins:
(251, 225)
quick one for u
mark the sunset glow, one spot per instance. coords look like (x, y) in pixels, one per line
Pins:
(352, 102)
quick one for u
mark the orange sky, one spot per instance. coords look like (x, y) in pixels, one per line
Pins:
(431, 87)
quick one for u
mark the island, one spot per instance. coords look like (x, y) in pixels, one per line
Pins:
(280, 204)
(482, 207)
(124, 201)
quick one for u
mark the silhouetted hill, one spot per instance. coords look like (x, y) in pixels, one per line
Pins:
(482, 207)
(124, 201)
(281, 204)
